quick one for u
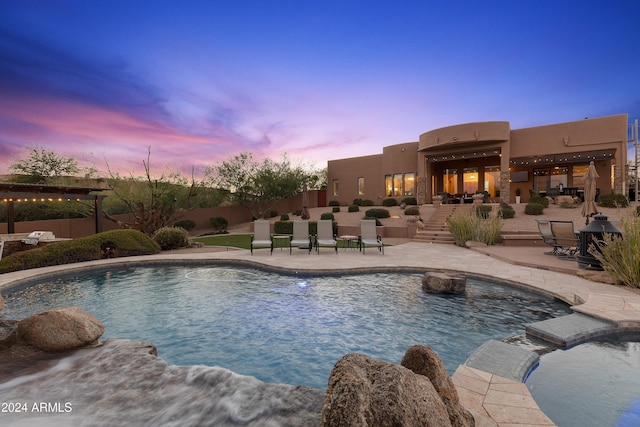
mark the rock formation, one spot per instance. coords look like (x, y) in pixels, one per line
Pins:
(59, 330)
(443, 283)
(364, 391)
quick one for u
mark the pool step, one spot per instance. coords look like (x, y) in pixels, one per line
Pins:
(502, 359)
(567, 331)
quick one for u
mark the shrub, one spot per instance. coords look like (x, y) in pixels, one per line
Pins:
(533, 209)
(410, 201)
(483, 211)
(412, 211)
(273, 213)
(471, 227)
(507, 212)
(118, 242)
(389, 202)
(377, 213)
(327, 215)
(357, 202)
(540, 200)
(354, 208)
(284, 217)
(297, 212)
(367, 202)
(613, 201)
(619, 255)
(336, 209)
(218, 223)
(378, 223)
(334, 203)
(171, 238)
(187, 224)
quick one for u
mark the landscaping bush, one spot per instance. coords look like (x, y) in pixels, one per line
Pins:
(187, 224)
(377, 213)
(412, 211)
(389, 202)
(297, 212)
(619, 255)
(483, 211)
(171, 238)
(354, 208)
(471, 227)
(334, 203)
(118, 242)
(336, 209)
(410, 201)
(327, 215)
(540, 200)
(286, 227)
(284, 217)
(357, 202)
(218, 223)
(613, 201)
(367, 202)
(507, 212)
(533, 209)
(273, 214)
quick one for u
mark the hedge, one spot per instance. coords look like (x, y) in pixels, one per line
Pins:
(115, 243)
(377, 213)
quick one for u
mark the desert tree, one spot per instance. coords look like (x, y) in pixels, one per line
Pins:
(39, 163)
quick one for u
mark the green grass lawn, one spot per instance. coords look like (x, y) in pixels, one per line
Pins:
(242, 241)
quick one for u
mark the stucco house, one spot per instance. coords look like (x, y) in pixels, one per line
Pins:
(461, 160)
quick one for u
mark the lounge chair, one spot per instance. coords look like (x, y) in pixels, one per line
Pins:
(369, 236)
(325, 236)
(564, 238)
(301, 236)
(547, 236)
(262, 235)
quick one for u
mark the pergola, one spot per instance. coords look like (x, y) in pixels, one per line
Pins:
(11, 192)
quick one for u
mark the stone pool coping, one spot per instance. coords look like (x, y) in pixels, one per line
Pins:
(495, 400)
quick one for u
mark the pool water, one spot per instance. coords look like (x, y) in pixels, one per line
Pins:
(598, 381)
(286, 329)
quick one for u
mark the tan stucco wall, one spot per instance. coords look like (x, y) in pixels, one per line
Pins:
(469, 134)
(347, 172)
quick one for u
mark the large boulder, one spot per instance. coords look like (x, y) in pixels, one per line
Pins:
(443, 283)
(363, 391)
(422, 360)
(60, 329)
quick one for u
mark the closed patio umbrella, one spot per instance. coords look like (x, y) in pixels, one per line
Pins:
(305, 203)
(589, 207)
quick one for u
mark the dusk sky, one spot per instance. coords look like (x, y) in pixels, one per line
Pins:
(201, 81)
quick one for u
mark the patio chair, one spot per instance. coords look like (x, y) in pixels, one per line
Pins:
(301, 236)
(325, 236)
(544, 227)
(369, 236)
(262, 235)
(565, 241)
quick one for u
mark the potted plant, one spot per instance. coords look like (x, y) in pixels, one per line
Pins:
(517, 195)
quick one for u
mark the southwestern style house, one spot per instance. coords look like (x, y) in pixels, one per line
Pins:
(458, 161)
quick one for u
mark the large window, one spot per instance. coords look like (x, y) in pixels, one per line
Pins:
(559, 176)
(398, 184)
(541, 180)
(335, 187)
(451, 181)
(360, 185)
(577, 175)
(470, 180)
(492, 180)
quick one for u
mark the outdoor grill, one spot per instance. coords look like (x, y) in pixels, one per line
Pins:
(594, 232)
(37, 236)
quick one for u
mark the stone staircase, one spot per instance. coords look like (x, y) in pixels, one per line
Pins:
(436, 229)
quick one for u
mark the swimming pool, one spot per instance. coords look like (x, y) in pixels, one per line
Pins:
(283, 328)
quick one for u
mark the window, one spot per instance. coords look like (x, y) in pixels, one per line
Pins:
(559, 176)
(361, 185)
(451, 181)
(578, 173)
(397, 185)
(492, 180)
(541, 180)
(470, 180)
(409, 184)
(388, 185)
(335, 187)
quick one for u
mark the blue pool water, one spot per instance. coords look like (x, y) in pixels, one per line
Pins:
(286, 329)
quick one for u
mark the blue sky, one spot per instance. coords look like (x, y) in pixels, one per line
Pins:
(201, 81)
